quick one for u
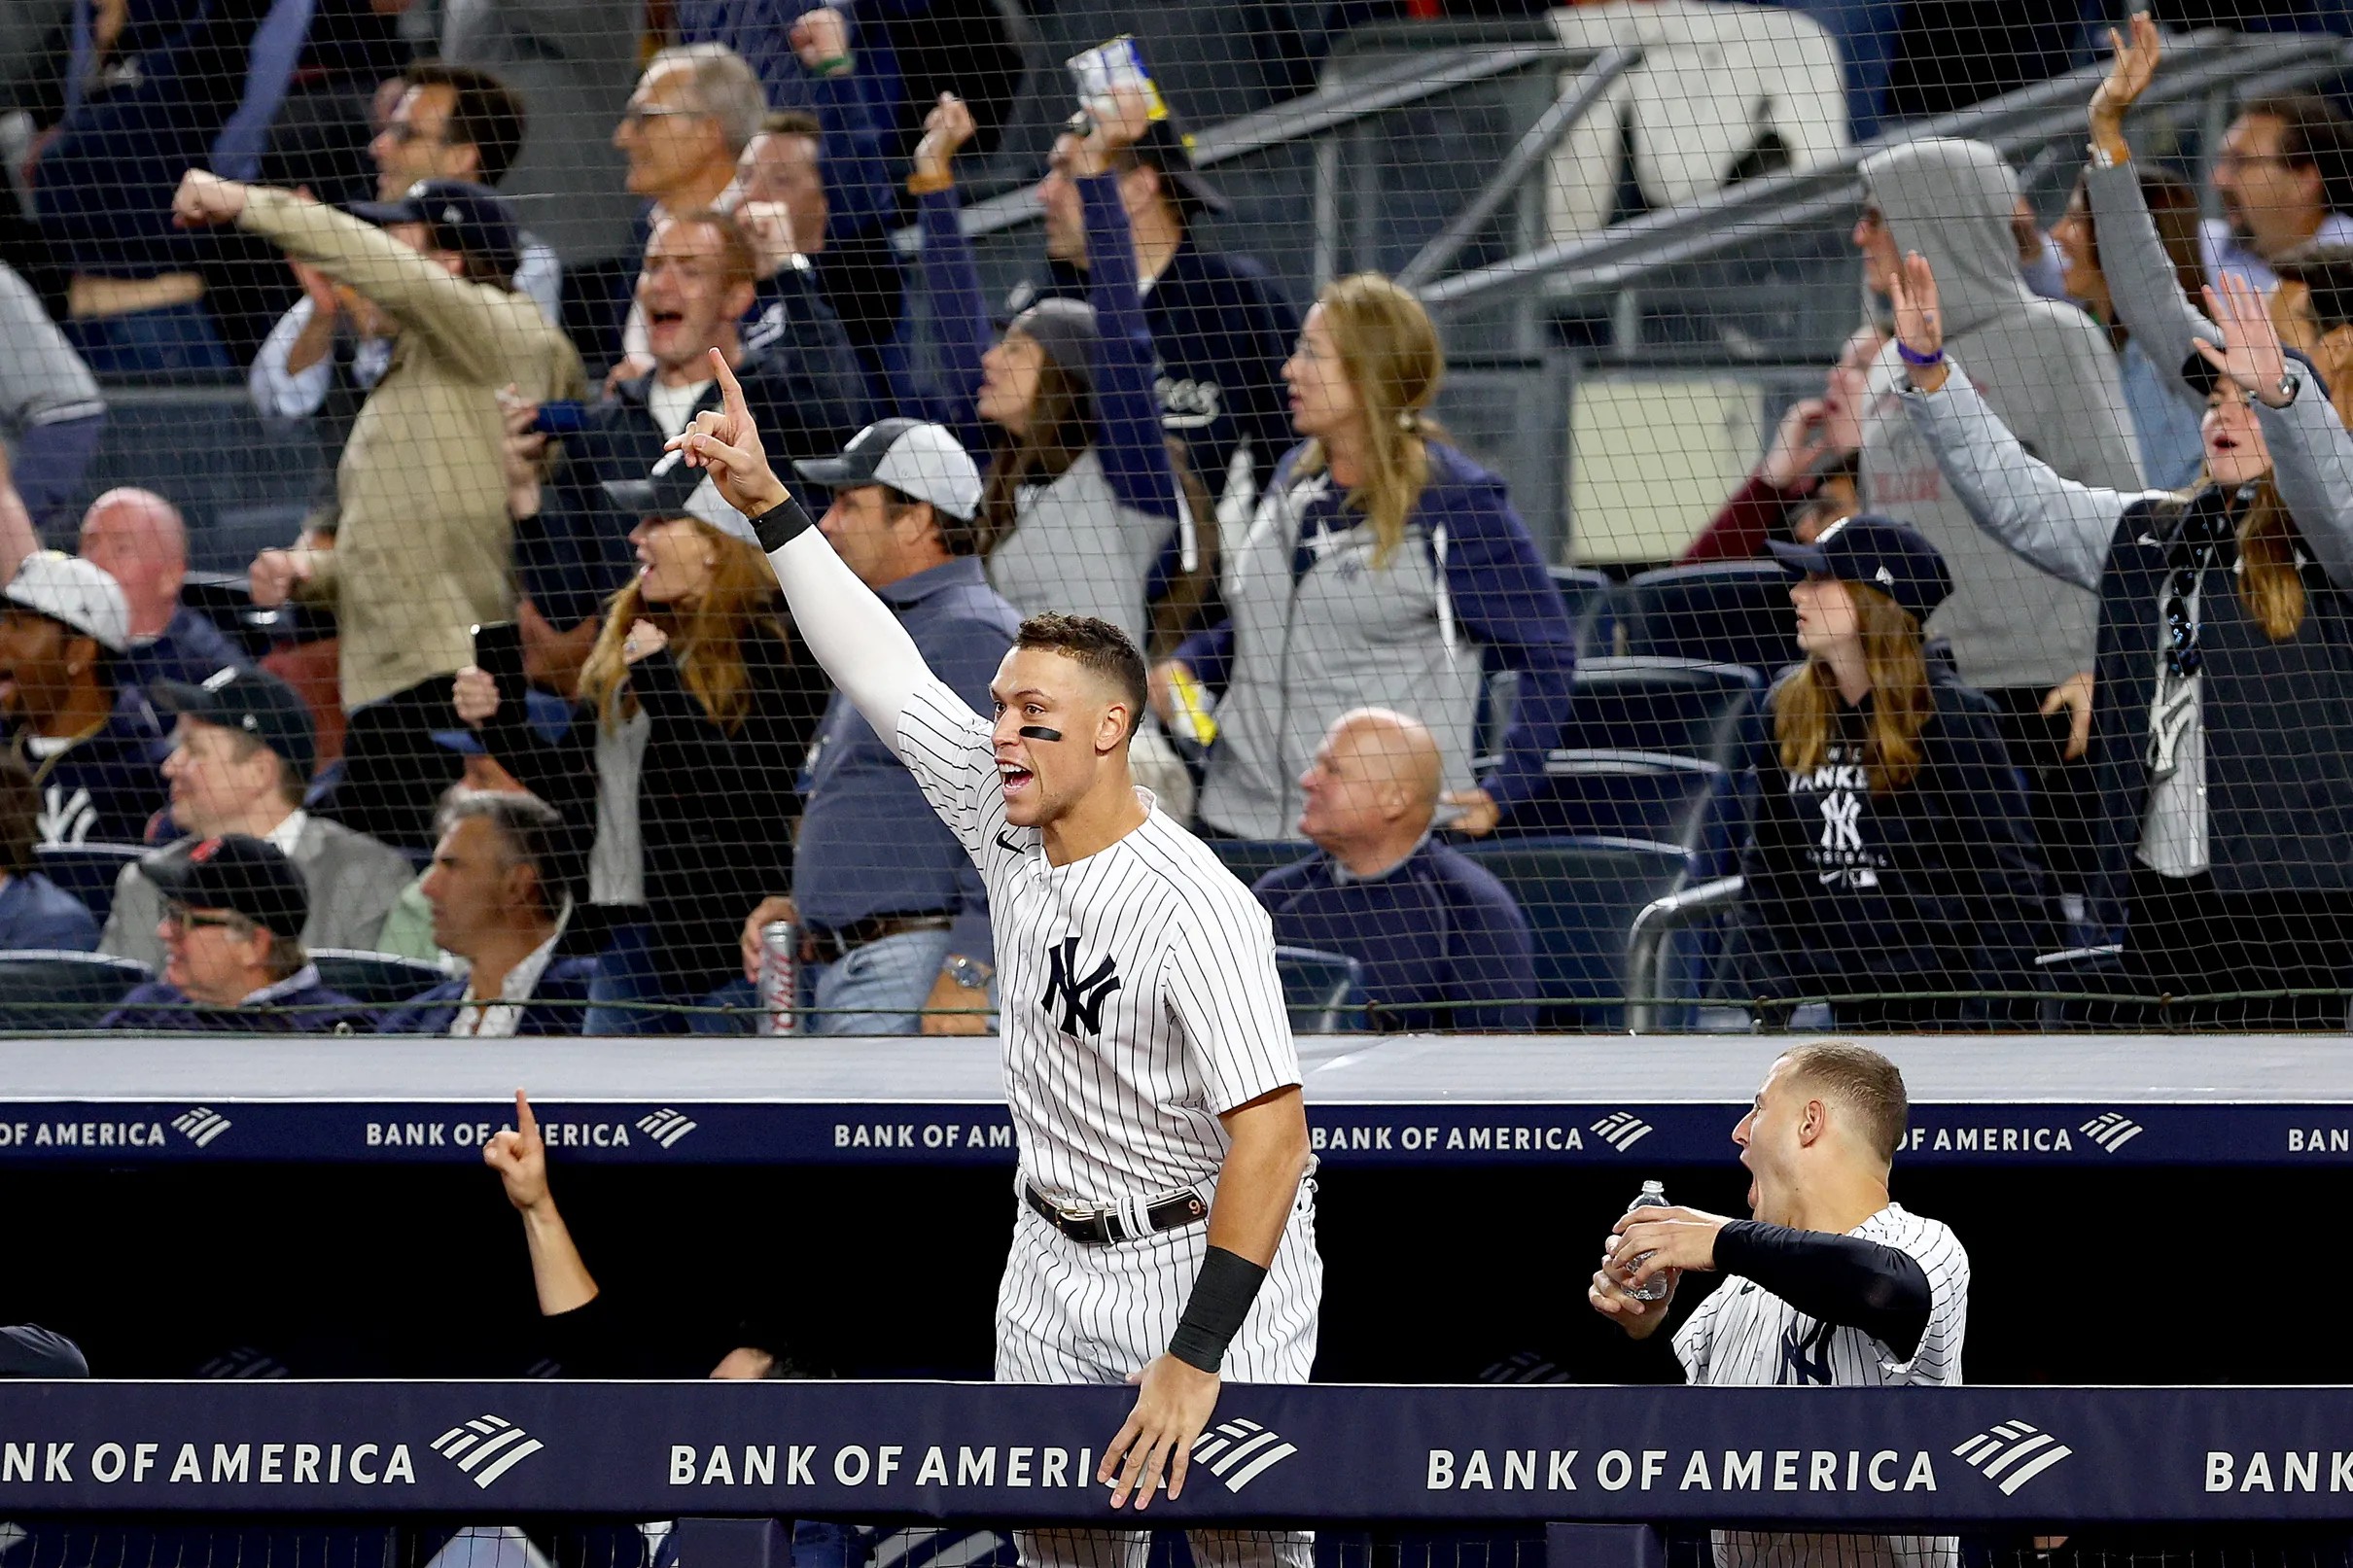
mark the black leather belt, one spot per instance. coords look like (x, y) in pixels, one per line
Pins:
(830, 944)
(1106, 1227)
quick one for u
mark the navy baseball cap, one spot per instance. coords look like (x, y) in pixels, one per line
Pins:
(1167, 148)
(237, 872)
(251, 702)
(1877, 553)
(470, 219)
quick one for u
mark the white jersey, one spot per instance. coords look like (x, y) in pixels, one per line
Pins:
(1136, 986)
(1744, 1336)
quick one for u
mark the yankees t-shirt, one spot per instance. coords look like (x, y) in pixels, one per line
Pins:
(1744, 1336)
(1137, 986)
(102, 787)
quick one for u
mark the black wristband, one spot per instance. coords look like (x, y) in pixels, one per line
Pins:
(1222, 1293)
(780, 525)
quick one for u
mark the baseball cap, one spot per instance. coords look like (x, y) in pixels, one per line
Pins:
(251, 701)
(914, 456)
(2201, 377)
(672, 489)
(77, 593)
(1877, 553)
(472, 219)
(237, 872)
(1065, 329)
(1166, 146)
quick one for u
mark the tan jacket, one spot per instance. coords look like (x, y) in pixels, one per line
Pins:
(425, 549)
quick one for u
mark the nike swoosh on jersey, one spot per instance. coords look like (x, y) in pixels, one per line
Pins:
(1005, 843)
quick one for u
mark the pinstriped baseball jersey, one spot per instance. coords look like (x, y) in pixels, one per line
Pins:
(1137, 987)
(1744, 1336)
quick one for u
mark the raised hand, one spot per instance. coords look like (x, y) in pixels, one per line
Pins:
(723, 441)
(474, 694)
(946, 128)
(520, 1158)
(1920, 326)
(207, 200)
(2251, 354)
(1799, 443)
(2128, 74)
(822, 38)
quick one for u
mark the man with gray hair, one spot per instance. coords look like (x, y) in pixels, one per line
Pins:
(1442, 943)
(501, 900)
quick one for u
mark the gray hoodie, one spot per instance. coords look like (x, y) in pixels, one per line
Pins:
(2048, 373)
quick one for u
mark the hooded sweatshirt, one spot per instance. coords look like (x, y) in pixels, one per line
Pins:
(2049, 375)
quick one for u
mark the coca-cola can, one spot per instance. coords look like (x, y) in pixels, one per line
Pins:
(780, 978)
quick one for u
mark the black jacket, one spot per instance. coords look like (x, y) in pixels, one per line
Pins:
(806, 394)
(2278, 715)
(715, 806)
(1936, 886)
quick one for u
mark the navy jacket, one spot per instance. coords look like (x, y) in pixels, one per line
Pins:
(805, 393)
(1937, 885)
(1221, 328)
(190, 649)
(159, 1007)
(36, 914)
(103, 790)
(555, 1006)
(1443, 945)
(2278, 717)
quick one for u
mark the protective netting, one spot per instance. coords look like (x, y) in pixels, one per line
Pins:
(1424, 389)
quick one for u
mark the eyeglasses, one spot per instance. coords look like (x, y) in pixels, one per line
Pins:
(2247, 161)
(200, 920)
(403, 134)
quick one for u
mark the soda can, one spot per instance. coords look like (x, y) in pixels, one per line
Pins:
(780, 978)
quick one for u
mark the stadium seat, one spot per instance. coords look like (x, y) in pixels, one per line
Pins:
(1680, 707)
(1590, 598)
(241, 483)
(1580, 896)
(1723, 612)
(1252, 858)
(1655, 795)
(225, 599)
(375, 979)
(87, 871)
(62, 991)
(1324, 991)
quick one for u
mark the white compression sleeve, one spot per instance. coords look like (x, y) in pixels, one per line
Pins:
(848, 627)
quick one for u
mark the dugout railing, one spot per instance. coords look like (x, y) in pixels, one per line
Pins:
(1630, 1465)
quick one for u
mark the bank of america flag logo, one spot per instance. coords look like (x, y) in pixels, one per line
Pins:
(200, 1124)
(1622, 1130)
(487, 1447)
(2012, 1454)
(1238, 1451)
(2112, 1130)
(665, 1127)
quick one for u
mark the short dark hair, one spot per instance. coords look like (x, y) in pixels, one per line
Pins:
(791, 122)
(485, 113)
(1098, 647)
(1863, 1081)
(19, 814)
(2313, 135)
(531, 830)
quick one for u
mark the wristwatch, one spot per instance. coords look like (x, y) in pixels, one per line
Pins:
(968, 973)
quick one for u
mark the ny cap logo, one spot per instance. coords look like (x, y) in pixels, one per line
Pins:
(200, 1125)
(1079, 999)
(1238, 1451)
(1883, 577)
(487, 1447)
(1623, 1129)
(665, 1127)
(2012, 1453)
(2112, 1130)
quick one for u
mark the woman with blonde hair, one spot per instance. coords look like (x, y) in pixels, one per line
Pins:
(695, 708)
(2223, 712)
(1891, 867)
(1381, 564)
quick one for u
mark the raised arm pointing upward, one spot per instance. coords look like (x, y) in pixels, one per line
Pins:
(1148, 1056)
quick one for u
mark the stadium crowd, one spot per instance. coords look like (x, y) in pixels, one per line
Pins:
(2068, 536)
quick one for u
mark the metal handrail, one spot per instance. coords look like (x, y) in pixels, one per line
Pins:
(1646, 944)
(1596, 263)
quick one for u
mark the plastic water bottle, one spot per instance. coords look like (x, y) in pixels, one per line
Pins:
(1653, 1196)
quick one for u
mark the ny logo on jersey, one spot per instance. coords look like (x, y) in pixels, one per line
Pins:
(1842, 822)
(1806, 1358)
(1080, 1000)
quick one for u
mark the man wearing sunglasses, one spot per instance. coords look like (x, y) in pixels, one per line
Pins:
(234, 961)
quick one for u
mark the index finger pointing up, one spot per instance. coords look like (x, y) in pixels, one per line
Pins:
(525, 1122)
(732, 392)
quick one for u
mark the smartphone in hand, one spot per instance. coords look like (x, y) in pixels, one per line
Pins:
(498, 652)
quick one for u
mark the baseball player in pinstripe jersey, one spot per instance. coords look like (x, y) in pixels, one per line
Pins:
(1166, 1229)
(1830, 1284)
